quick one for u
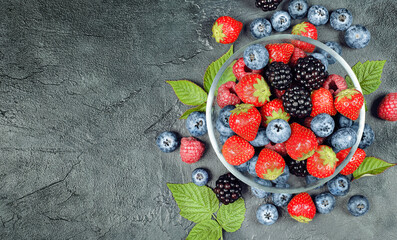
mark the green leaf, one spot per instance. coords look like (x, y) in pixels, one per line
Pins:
(196, 203)
(368, 75)
(231, 216)
(227, 76)
(371, 166)
(213, 69)
(188, 92)
(207, 230)
(200, 108)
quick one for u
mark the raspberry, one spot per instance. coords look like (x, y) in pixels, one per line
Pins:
(297, 102)
(279, 93)
(335, 83)
(296, 55)
(191, 150)
(227, 95)
(297, 168)
(240, 69)
(267, 5)
(279, 75)
(228, 188)
(310, 72)
(307, 122)
(278, 148)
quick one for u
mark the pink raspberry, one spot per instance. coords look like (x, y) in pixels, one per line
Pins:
(278, 148)
(227, 95)
(191, 150)
(240, 69)
(307, 121)
(335, 83)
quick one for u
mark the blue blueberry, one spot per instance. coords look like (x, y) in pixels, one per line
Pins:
(260, 28)
(258, 192)
(312, 180)
(281, 199)
(222, 122)
(281, 20)
(242, 167)
(252, 165)
(343, 121)
(283, 178)
(325, 203)
(358, 205)
(278, 131)
(223, 129)
(339, 185)
(298, 9)
(341, 19)
(322, 58)
(196, 124)
(267, 214)
(343, 138)
(318, 15)
(334, 46)
(167, 141)
(322, 125)
(223, 138)
(256, 57)
(368, 135)
(357, 36)
(200, 176)
(260, 140)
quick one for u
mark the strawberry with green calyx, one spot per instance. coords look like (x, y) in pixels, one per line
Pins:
(323, 102)
(298, 53)
(302, 143)
(253, 89)
(245, 120)
(348, 102)
(270, 165)
(322, 163)
(354, 163)
(280, 52)
(307, 30)
(237, 151)
(302, 208)
(226, 29)
(273, 110)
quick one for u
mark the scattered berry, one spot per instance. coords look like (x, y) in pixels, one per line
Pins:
(354, 162)
(339, 185)
(281, 20)
(270, 164)
(278, 148)
(200, 176)
(343, 121)
(296, 55)
(307, 30)
(240, 69)
(297, 168)
(226, 29)
(259, 193)
(302, 208)
(322, 59)
(251, 165)
(191, 150)
(343, 138)
(335, 83)
(228, 188)
(318, 15)
(341, 19)
(357, 36)
(358, 205)
(348, 102)
(281, 199)
(267, 5)
(222, 122)
(278, 131)
(323, 102)
(334, 46)
(297, 102)
(297, 9)
(280, 52)
(267, 214)
(260, 28)
(273, 110)
(387, 109)
(310, 72)
(322, 163)
(256, 57)
(279, 75)
(237, 151)
(302, 143)
(283, 178)
(325, 203)
(368, 135)
(167, 141)
(227, 95)
(245, 121)
(260, 140)
(322, 125)
(253, 89)
(196, 124)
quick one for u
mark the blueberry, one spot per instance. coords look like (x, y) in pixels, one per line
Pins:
(278, 131)
(200, 176)
(339, 185)
(252, 165)
(312, 180)
(267, 214)
(223, 129)
(196, 124)
(325, 203)
(260, 140)
(260, 28)
(357, 36)
(344, 121)
(223, 138)
(341, 19)
(256, 57)
(298, 9)
(167, 141)
(318, 15)
(368, 135)
(281, 20)
(322, 125)
(358, 205)
(343, 138)
(281, 199)
(258, 192)
(283, 178)
(334, 46)
(242, 167)
(322, 58)
(222, 122)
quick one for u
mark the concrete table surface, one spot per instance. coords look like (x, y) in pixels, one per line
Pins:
(83, 96)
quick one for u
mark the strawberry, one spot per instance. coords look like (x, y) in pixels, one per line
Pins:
(278, 148)
(349, 102)
(302, 143)
(323, 102)
(273, 110)
(307, 30)
(240, 69)
(322, 163)
(226, 29)
(191, 150)
(237, 151)
(280, 52)
(387, 109)
(354, 163)
(298, 53)
(245, 120)
(270, 164)
(253, 89)
(227, 95)
(335, 83)
(302, 208)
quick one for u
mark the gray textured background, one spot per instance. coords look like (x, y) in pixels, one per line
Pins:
(83, 96)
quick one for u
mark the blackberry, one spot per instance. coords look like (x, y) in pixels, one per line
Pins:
(267, 5)
(297, 102)
(297, 168)
(228, 188)
(310, 72)
(279, 75)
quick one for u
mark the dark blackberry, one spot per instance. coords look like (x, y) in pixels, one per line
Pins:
(228, 188)
(297, 168)
(279, 75)
(297, 102)
(267, 5)
(310, 72)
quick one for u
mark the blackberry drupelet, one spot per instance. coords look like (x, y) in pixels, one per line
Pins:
(297, 168)
(267, 5)
(228, 188)
(279, 75)
(310, 72)
(297, 102)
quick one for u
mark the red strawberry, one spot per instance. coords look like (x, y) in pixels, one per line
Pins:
(245, 120)
(307, 30)
(322, 163)
(335, 83)
(237, 151)
(354, 163)
(240, 69)
(302, 208)
(349, 102)
(227, 95)
(302, 143)
(191, 150)
(273, 110)
(323, 102)
(280, 52)
(278, 148)
(226, 29)
(270, 164)
(253, 89)
(387, 109)
(298, 53)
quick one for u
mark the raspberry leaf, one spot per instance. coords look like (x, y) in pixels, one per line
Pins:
(231, 216)
(188, 92)
(200, 108)
(205, 230)
(371, 166)
(368, 75)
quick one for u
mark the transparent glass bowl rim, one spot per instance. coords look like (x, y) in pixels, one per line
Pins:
(211, 98)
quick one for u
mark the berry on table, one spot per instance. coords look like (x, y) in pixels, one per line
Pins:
(302, 143)
(253, 89)
(387, 109)
(358, 205)
(226, 29)
(279, 75)
(270, 164)
(341, 19)
(297, 168)
(267, 5)
(323, 102)
(368, 135)
(260, 140)
(334, 46)
(200, 176)
(228, 188)
(354, 163)
(245, 121)
(348, 102)
(273, 110)
(322, 125)
(307, 30)
(297, 9)
(237, 151)
(357, 36)
(343, 138)
(302, 208)
(227, 95)
(260, 28)
(322, 58)
(278, 131)
(240, 70)
(256, 56)
(281, 21)
(339, 185)
(325, 203)
(222, 122)
(281, 199)
(297, 102)
(167, 141)
(283, 178)
(259, 193)
(267, 214)
(310, 72)
(196, 124)
(318, 15)
(191, 150)
(343, 121)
